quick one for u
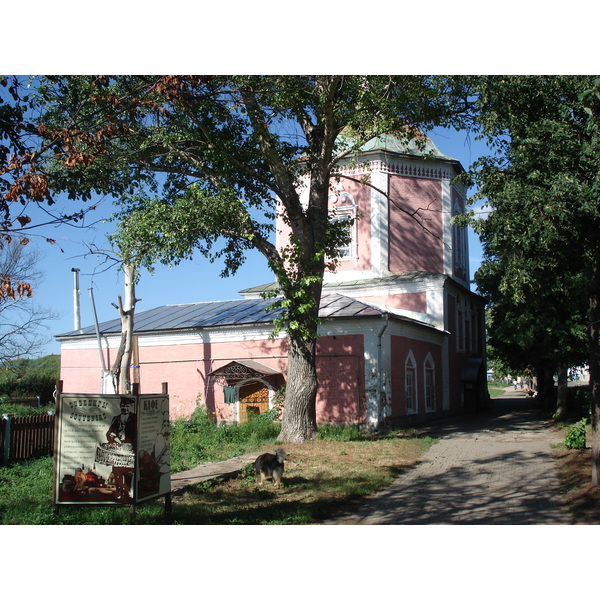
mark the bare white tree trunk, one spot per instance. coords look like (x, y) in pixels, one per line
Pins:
(122, 365)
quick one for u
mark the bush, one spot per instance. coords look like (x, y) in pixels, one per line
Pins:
(20, 410)
(580, 400)
(575, 438)
(31, 377)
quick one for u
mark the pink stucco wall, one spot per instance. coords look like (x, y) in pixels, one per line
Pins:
(362, 197)
(414, 301)
(400, 348)
(411, 248)
(340, 371)
(184, 367)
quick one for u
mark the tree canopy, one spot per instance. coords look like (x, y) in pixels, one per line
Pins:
(542, 237)
(199, 163)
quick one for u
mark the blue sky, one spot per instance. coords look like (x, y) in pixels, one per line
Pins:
(192, 281)
(457, 43)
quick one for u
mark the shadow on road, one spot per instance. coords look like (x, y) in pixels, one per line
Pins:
(494, 467)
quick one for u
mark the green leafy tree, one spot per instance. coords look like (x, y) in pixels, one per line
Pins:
(204, 160)
(542, 238)
(24, 156)
(27, 377)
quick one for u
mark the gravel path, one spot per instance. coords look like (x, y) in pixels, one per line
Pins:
(493, 468)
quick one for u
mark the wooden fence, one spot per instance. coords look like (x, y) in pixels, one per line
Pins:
(26, 437)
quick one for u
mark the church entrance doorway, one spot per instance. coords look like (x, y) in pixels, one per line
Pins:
(254, 400)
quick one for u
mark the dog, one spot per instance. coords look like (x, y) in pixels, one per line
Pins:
(271, 465)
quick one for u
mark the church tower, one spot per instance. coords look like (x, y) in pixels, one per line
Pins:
(403, 243)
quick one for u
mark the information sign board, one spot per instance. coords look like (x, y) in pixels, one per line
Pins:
(111, 449)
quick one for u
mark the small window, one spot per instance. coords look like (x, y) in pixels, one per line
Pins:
(410, 383)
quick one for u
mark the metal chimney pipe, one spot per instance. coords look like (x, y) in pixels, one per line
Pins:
(76, 301)
(98, 336)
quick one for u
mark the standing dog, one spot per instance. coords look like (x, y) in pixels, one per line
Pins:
(271, 465)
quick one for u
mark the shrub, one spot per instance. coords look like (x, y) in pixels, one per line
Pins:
(575, 438)
(340, 433)
(20, 410)
(580, 400)
(31, 377)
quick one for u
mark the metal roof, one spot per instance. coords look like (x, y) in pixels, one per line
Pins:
(225, 313)
(423, 147)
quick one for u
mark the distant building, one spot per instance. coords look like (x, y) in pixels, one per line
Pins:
(402, 338)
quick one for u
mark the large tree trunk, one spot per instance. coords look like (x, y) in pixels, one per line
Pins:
(594, 341)
(546, 398)
(299, 414)
(549, 394)
(562, 394)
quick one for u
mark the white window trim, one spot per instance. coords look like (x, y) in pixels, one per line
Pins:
(344, 208)
(410, 364)
(429, 368)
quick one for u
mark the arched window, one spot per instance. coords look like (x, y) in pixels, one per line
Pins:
(410, 383)
(344, 209)
(429, 383)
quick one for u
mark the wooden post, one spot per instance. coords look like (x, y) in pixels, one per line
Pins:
(135, 367)
(168, 503)
(6, 419)
(57, 394)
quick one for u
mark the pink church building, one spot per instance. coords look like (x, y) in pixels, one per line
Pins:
(402, 337)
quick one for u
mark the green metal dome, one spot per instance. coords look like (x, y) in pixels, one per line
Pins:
(389, 143)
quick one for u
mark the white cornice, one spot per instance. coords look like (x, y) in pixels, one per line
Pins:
(381, 162)
(383, 287)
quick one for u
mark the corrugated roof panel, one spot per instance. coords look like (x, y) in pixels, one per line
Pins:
(164, 317)
(234, 313)
(335, 305)
(224, 313)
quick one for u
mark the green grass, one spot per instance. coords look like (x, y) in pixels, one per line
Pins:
(496, 389)
(199, 440)
(323, 476)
